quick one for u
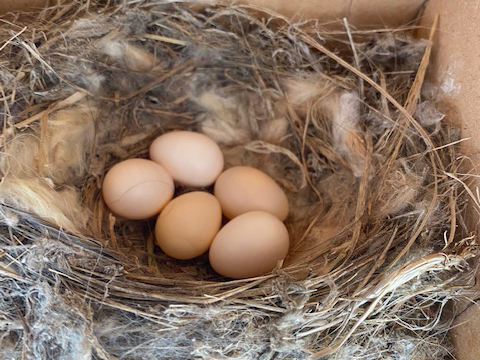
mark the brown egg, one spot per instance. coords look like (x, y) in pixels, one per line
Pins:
(187, 225)
(249, 245)
(137, 189)
(241, 189)
(193, 159)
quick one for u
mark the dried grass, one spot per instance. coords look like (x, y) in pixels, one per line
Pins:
(379, 241)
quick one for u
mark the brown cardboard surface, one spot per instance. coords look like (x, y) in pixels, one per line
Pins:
(362, 13)
(456, 65)
(466, 334)
(21, 5)
(455, 68)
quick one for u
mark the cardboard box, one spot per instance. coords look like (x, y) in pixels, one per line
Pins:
(21, 5)
(455, 68)
(364, 13)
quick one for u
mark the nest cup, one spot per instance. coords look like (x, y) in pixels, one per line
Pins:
(377, 193)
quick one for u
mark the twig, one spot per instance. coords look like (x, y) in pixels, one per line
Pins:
(165, 39)
(72, 99)
(354, 51)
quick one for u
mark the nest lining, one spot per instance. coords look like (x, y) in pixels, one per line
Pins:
(372, 170)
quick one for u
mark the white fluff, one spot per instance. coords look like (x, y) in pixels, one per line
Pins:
(33, 166)
(225, 121)
(303, 92)
(347, 137)
(59, 151)
(341, 108)
(129, 56)
(274, 131)
(36, 196)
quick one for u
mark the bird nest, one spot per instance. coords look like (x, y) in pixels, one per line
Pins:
(340, 118)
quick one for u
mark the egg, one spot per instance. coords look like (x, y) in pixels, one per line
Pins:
(241, 189)
(193, 159)
(137, 188)
(187, 225)
(249, 245)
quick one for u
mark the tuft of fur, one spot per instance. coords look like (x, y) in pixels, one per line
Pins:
(58, 150)
(307, 91)
(69, 139)
(129, 56)
(429, 116)
(226, 121)
(340, 107)
(55, 326)
(59, 206)
(348, 138)
(235, 119)
(398, 191)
